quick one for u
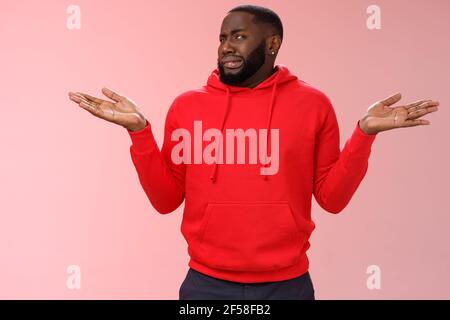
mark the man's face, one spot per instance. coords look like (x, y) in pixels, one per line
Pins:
(243, 41)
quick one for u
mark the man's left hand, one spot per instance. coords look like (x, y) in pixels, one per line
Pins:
(381, 116)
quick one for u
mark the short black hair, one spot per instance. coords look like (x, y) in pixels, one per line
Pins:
(262, 15)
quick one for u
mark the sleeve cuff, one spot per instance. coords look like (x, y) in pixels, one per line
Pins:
(142, 140)
(361, 140)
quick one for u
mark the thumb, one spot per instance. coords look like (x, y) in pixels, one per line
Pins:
(112, 95)
(392, 99)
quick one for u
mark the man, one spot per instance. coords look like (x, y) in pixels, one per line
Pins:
(248, 224)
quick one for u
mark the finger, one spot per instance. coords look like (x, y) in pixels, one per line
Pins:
(392, 99)
(91, 98)
(96, 109)
(424, 105)
(417, 103)
(91, 107)
(79, 99)
(76, 97)
(421, 112)
(416, 122)
(112, 95)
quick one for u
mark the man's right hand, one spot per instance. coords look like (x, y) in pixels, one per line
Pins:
(123, 111)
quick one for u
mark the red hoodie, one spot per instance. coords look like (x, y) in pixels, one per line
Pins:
(241, 225)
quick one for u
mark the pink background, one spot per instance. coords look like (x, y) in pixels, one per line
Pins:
(70, 193)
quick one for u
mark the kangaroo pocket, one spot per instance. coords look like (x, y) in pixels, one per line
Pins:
(250, 236)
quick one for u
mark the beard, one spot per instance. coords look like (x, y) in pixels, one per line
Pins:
(250, 66)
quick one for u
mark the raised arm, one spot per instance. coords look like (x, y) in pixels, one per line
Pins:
(337, 174)
(161, 179)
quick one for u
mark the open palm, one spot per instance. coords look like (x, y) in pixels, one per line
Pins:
(382, 116)
(123, 111)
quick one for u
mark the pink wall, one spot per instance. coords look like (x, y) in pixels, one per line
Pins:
(69, 191)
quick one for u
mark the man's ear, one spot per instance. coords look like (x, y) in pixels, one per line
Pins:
(274, 43)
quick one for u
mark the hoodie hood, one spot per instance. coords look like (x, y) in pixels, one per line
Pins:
(280, 77)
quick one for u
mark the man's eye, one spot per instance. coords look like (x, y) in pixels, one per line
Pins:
(237, 36)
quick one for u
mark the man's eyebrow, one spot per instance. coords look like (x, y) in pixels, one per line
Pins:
(233, 32)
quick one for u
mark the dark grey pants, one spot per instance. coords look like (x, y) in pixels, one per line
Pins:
(199, 286)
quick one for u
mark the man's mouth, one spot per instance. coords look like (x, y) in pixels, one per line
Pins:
(233, 64)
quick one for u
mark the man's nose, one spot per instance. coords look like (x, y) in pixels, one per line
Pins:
(227, 48)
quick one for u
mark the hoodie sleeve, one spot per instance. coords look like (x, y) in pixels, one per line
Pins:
(161, 179)
(337, 174)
